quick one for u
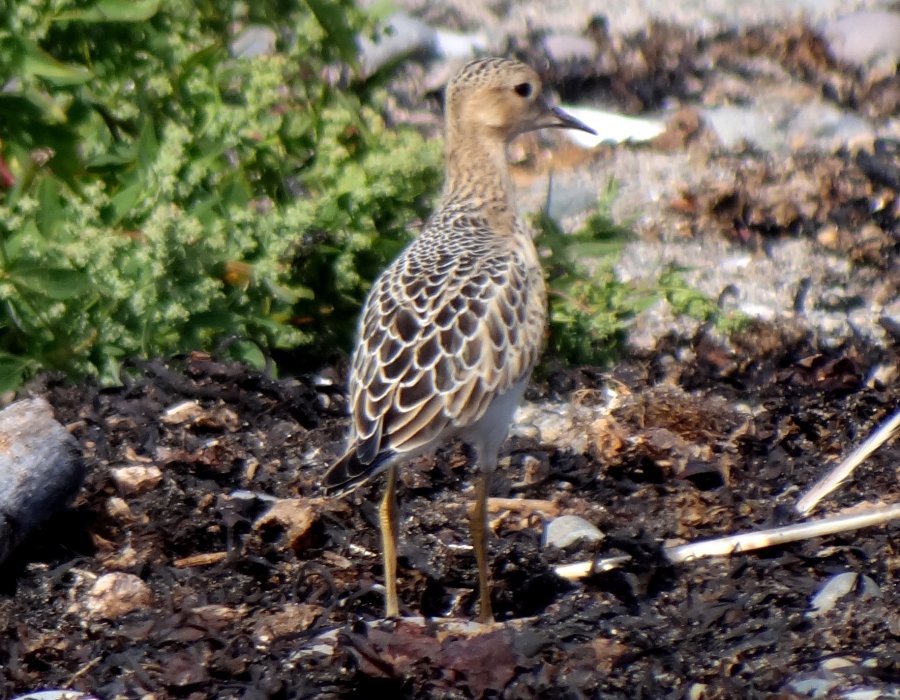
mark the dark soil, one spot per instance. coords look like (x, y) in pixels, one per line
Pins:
(291, 610)
(261, 588)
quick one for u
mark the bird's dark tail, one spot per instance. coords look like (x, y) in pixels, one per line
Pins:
(349, 473)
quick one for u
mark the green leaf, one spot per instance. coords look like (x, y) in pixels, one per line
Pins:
(56, 283)
(51, 110)
(124, 200)
(248, 353)
(110, 159)
(292, 294)
(112, 11)
(594, 249)
(50, 214)
(236, 192)
(333, 18)
(12, 371)
(351, 179)
(147, 146)
(39, 63)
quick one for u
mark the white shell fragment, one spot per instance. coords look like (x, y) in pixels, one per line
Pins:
(849, 583)
(611, 127)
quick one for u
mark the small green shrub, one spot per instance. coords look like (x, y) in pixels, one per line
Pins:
(167, 194)
(590, 307)
(691, 302)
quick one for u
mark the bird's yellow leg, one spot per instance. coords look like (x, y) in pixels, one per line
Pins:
(478, 521)
(387, 516)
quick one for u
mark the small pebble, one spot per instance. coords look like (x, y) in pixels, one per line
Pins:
(118, 509)
(255, 40)
(286, 621)
(564, 48)
(183, 412)
(294, 516)
(116, 594)
(133, 481)
(566, 529)
(452, 45)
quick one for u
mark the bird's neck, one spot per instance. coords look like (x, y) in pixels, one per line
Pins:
(478, 178)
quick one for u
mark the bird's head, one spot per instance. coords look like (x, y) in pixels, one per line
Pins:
(502, 98)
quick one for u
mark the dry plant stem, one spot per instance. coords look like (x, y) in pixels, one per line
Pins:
(837, 475)
(81, 672)
(479, 540)
(532, 505)
(748, 541)
(745, 542)
(202, 559)
(387, 518)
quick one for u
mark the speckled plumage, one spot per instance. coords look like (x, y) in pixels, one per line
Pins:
(452, 328)
(455, 321)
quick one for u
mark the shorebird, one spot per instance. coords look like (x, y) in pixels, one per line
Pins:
(451, 330)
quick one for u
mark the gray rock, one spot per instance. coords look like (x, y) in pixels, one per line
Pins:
(254, 40)
(735, 125)
(566, 529)
(40, 469)
(570, 197)
(569, 47)
(813, 685)
(611, 127)
(400, 36)
(865, 38)
(453, 45)
(821, 122)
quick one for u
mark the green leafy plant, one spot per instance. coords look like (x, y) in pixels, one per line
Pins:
(166, 193)
(590, 307)
(689, 301)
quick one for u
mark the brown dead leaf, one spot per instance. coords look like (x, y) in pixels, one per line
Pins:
(607, 652)
(482, 660)
(608, 438)
(185, 667)
(288, 620)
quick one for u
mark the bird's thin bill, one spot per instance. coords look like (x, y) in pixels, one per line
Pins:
(564, 120)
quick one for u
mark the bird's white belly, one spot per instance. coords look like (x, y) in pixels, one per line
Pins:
(487, 434)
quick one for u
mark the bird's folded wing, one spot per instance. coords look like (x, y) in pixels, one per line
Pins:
(439, 339)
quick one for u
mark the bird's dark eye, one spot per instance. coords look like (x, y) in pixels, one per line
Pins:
(523, 89)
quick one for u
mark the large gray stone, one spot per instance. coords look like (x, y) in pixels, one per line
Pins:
(40, 469)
